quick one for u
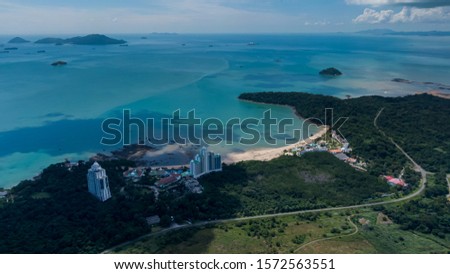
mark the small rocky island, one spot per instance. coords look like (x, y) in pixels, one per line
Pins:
(94, 39)
(91, 39)
(50, 41)
(330, 72)
(18, 40)
(59, 63)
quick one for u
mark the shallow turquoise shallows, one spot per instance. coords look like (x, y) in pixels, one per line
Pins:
(52, 113)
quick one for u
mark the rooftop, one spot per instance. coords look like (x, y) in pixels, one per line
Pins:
(134, 172)
(395, 181)
(153, 220)
(341, 156)
(168, 180)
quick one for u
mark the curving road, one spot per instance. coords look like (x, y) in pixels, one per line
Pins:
(417, 167)
(334, 237)
(408, 197)
(448, 182)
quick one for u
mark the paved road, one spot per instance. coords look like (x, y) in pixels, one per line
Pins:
(408, 197)
(448, 182)
(412, 195)
(417, 167)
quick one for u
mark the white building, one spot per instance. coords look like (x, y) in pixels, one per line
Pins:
(205, 162)
(98, 183)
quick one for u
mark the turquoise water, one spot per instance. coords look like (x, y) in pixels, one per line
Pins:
(53, 113)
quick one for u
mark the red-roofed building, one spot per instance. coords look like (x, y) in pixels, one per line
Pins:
(395, 181)
(166, 182)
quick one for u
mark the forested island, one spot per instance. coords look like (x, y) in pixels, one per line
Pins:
(91, 39)
(59, 63)
(18, 40)
(330, 72)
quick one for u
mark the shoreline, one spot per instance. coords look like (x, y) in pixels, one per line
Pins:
(294, 110)
(175, 155)
(267, 154)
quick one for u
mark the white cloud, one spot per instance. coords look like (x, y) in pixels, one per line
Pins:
(415, 3)
(433, 15)
(374, 17)
(406, 15)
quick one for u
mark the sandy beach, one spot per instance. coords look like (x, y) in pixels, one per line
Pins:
(177, 156)
(271, 153)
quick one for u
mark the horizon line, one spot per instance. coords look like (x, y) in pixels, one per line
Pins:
(221, 33)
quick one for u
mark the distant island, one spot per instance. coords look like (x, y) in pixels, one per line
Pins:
(91, 39)
(404, 33)
(330, 72)
(94, 39)
(50, 41)
(422, 33)
(164, 33)
(376, 31)
(59, 63)
(18, 40)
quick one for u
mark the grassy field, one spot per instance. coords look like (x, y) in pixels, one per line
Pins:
(381, 238)
(347, 245)
(274, 235)
(327, 232)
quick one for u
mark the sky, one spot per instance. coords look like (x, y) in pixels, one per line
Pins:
(219, 16)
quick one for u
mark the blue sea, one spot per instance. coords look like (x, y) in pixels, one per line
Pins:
(49, 114)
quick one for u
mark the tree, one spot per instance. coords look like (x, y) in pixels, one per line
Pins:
(166, 220)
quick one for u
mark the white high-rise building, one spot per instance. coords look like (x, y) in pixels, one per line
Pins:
(98, 183)
(205, 162)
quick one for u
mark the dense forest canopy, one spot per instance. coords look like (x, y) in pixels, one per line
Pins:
(419, 123)
(56, 214)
